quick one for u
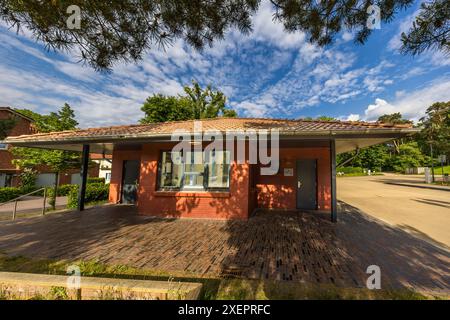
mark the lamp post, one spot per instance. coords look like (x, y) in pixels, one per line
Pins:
(432, 161)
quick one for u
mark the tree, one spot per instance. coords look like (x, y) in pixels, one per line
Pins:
(64, 119)
(160, 108)
(319, 118)
(377, 156)
(395, 118)
(205, 103)
(115, 31)
(430, 30)
(56, 160)
(373, 158)
(408, 157)
(436, 129)
(197, 103)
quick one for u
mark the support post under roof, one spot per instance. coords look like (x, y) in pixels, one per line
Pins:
(84, 174)
(333, 180)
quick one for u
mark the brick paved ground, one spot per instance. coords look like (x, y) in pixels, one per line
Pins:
(285, 246)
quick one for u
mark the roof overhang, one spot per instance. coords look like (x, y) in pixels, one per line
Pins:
(15, 113)
(347, 140)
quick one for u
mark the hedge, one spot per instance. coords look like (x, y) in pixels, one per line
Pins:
(95, 180)
(63, 190)
(350, 170)
(95, 192)
(9, 193)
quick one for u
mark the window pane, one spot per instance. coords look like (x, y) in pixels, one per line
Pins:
(171, 173)
(218, 169)
(193, 170)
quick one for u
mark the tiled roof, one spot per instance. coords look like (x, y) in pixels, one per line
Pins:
(218, 124)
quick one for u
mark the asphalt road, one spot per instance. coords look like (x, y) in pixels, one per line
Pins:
(403, 201)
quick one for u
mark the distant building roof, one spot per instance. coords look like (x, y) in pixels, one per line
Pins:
(14, 112)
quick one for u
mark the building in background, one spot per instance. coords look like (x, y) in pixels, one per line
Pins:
(105, 163)
(9, 173)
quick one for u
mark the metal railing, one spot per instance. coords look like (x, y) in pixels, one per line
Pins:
(15, 200)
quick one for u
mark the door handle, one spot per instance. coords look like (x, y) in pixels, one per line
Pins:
(299, 184)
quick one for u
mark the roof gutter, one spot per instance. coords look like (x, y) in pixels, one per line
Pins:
(21, 140)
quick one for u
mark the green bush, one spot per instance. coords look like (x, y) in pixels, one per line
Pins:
(350, 170)
(28, 179)
(95, 180)
(9, 193)
(95, 192)
(63, 190)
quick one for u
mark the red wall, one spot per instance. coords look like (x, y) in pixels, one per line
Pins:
(22, 126)
(248, 189)
(221, 205)
(116, 171)
(280, 192)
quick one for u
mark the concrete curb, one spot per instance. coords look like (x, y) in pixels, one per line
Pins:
(28, 285)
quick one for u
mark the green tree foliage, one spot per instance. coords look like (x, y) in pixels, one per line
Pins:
(373, 158)
(205, 103)
(115, 31)
(28, 179)
(394, 118)
(160, 108)
(56, 160)
(319, 118)
(430, 30)
(408, 157)
(436, 129)
(394, 155)
(64, 119)
(197, 103)
(6, 126)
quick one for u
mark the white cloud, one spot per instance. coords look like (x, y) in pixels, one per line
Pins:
(251, 109)
(266, 29)
(267, 73)
(411, 105)
(347, 36)
(350, 117)
(395, 43)
(353, 117)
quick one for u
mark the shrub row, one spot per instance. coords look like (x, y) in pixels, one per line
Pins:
(350, 169)
(8, 193)
(95, 192)
(95, 180)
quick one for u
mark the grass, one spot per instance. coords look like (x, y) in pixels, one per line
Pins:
(438, 170)
(213, 288)
(441, 183)
(358, 174)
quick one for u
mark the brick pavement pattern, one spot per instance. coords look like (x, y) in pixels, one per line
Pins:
(289, 246)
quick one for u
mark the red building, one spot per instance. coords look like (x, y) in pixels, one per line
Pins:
(23, 126)
(9, 173)
(144, 171)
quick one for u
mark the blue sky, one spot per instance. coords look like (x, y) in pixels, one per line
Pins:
(269, 73)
